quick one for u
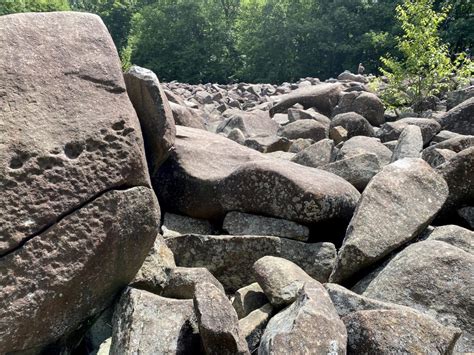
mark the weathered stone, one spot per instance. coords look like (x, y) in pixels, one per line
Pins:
(251, 123)
(309, 129)
(409, 145)
(253, 325)
(353, 123)
(364, 103)
(181, 281)
(309, 326)
(281, 118)
(318, 154)
(459, 96)
(347, 75)
(249, 298)
(236, 135)
(338, 134)
(300, 144)
(460, 118)
(456, 144)
(204, 180)
(467, 214)
(154, 112)
(392, 130)
(230, 258)
(295, 115)
(174, 224)
(397, 332)
(267, 144)
(185, 116)
(100, 331)
(281, 155)
(444, 135)
(145, 323)
(436, 157)
(434, 278)
(218, 322)
(357, 169)
(457, 236)
(361, 144)
(395, 207)
(238, 223)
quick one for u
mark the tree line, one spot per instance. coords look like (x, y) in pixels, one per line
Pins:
(257, 40)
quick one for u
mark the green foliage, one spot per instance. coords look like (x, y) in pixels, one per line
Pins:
(425, 67)
(14, 6)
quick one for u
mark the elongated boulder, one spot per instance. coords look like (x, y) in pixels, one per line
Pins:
(316, 155)
(410, 143)
(77, 215)
(392, 130)
(353, 123)
(362, 144)
(308, 128)
(457, 236)
(230, 258)
(434, 278)
(395, 207)
(460, 118)
(252, 124)
(208, 175)
(310, 325)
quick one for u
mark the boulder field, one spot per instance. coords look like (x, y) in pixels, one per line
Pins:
(141, 217)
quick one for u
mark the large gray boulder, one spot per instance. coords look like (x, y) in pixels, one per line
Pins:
(308, 129)
(76, 208)
(185, 116)
(364, 103)
(230, 258)
(154, 112)
(391, 130)
(316, 155)
(361, 144)
(395, 207)
(460, 118)
(409, 145)
(208, 175)
(252, 123)
(353, 123)
(457, 236)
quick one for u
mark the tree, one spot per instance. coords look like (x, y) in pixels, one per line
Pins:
(14, 6)
(425, 67)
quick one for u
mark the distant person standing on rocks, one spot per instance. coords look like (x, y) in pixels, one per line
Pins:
(361, 69)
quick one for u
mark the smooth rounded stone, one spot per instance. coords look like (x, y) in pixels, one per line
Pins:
(218, 322)
(467, 214)
(409, 144)
(281, 155)
(347, 75)
(280, 279)
(394, 208)
(295, 115)
(455, 235)
(145, 323)
(175, 224)
(101, 245)
(297, 145)
(436, 157)
(338, 134)
(310, 325)
(354, 124)
(251, 123)
(391, 130)
(69, 131)
(357, 169)
(362, 144)
(236, 135)
(432, 277)
(346, 302)
(281, 118)
(238, 223)
(154, 112)
(460, 118)
(316, 155)
(458, 174)
(365, 104)
(230, 258)
(253, 325)
(267, 144)
(207, 176)
(249, 298)
(397, 332)
(309, 129)
(443, 136)
(322, 97)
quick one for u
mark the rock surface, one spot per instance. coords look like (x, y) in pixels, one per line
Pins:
(409, 145)
(316, 155)
(459, 118)
(253, 325)
(361, 144)
(249, 298)
(353, 123)
(392, 130)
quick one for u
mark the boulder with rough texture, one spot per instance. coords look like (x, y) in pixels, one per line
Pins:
(185, 116)
(296, 114)
(310, 325)
(252, 124)
(230, 258)
(457, 236)
(361, 144)
(397, 332)
(460, 118)
(364, 103)
(459, 96)
(309, 129)
(253, 325)
(145, 323)
(395, 207)
(249, 298)
(238, 223)
(432, 277)
(316, 155)
(208, 175)
(347, 75)
(353, 123)
(218, 322)
(174, 224)
(409, 145)
(154, 112)
(75, 205)
(268, 144)
(338, 134)
(436, 157)
(391, 130)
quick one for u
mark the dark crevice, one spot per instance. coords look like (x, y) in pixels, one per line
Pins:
(66, 214)
(108, 85)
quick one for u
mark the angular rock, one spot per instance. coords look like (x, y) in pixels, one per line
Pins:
(365, 104)
(309, 129)
(154, 112)
(467, 214)
(361, 144)
(456, 144)
(347, 75)
(353, 123)
(236, 135)
(181, 282)
(252, 124)
(459, 96)
(316, 155)
(230, 258)
(338, 134)
(391, 130)
(218, 322)
(150, 324)
(460, 118)
(174, 224)
(281, 119)
(206, 181)
(409, 145)
(397, 332)
(297, 145)
(444, 135)
(309, 326)
(253, 325)
(185, 116)
(249, 298)
(434, 278)
(436, 157)
(296, 114)
(457, 236)
(268, 144)
(238, 223)
(395, 207)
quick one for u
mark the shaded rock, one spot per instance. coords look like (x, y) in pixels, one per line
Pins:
(309, 326)
(300, 144)
(459, 96)
(181, 282)
(188, 117)
(397, 332)
(218, 322)
(238, 223)
(459, 118)
(296, 114)
(456, 144)
(391, 130)
(253, 325)
(457, 236)
(467, 214)
(252, 124)
(338, 134)
(444, 135)
(229, 258)
(409, 145)
(357, 169)
(249, 298)
(100, 332)
(154, 112)
(365, 104)
(422, 276)
(150, 324)
(395, 207)
(318, 154)
(208, 180)
(353, 123)
(436, 157)
(322, 97)
(268, 144)
(361, 144)
(236, 135)
(309, 129)
(174, 224)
